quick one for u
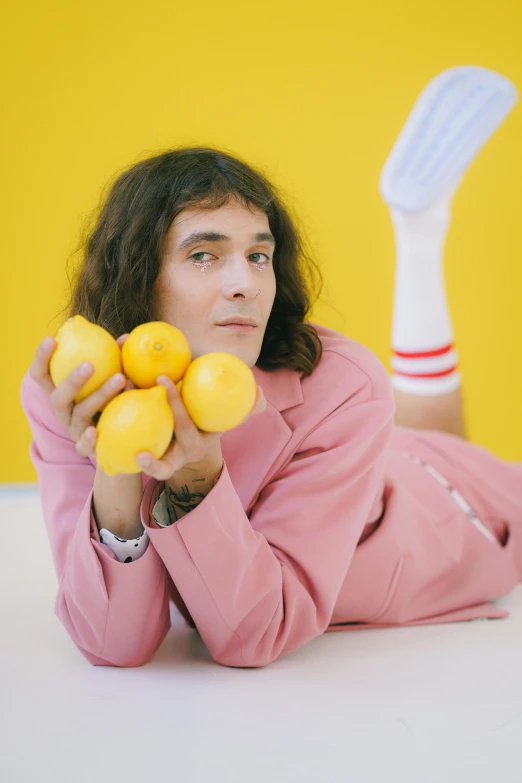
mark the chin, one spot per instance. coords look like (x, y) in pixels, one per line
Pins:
(248, 356)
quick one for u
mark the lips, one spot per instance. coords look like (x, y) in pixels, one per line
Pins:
(239, 322)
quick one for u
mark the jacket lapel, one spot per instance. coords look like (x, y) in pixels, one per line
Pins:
(254, 450)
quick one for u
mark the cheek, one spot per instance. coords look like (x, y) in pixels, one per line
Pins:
(178, 301)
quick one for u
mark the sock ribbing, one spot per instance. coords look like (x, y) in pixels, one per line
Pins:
(426, 372)
(424, 359)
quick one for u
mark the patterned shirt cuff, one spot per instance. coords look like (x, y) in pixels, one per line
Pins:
(160, 511)
(126, 550)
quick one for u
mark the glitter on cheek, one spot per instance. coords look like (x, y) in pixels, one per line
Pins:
(201, 264)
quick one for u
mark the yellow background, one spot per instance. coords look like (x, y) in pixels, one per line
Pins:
(313, 94)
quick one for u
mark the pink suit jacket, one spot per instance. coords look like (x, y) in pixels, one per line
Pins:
(283, 547)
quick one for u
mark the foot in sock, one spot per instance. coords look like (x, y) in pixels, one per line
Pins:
(424, 360)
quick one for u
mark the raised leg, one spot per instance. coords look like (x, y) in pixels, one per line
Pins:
(418, 181)
(425, 376)
(431, 412)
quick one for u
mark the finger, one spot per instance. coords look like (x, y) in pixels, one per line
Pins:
(62, 398)
(86, 444)
(84, 411)
(188, 436)
(183, 422)
(39, 369)
(121, 339)
(160, 469)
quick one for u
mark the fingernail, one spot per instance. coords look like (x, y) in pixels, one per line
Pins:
(85, 368)
(142, 459)
(47, 342)
(117, 380)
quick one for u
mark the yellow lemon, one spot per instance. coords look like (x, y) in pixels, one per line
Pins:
(79, 341)
(152, 349)
(219, 391)
(134, 421)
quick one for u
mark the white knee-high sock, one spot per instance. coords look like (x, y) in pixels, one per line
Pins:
(424, 360)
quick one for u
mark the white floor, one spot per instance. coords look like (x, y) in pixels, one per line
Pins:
(425, 704)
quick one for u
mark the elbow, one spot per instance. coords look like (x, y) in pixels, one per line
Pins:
(128, 660)
(130, 663)
(238, 656)
(105, 643)
(253, 663)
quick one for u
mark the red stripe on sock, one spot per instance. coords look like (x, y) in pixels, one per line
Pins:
(440, 374)
(424, 354)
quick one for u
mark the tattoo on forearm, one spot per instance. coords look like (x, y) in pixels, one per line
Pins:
(182, 501)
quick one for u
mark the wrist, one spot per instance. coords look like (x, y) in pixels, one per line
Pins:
(116, 503)
(188, 487)
(200, 475)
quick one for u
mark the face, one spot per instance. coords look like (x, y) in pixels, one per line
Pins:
(214, 265)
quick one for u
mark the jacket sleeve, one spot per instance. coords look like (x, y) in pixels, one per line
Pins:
(117, 614)
(261, 586)
(127, 549)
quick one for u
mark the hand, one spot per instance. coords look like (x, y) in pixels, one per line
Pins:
(77, 418)
(190, 445)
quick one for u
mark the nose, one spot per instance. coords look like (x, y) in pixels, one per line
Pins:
(240, 278)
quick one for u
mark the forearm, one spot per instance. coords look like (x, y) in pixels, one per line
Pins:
(116, 503)
(190, 485)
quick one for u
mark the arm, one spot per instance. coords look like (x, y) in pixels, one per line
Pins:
(116, 503)
(188, 487)
(258, 587)
(182, 494)
(117, 614)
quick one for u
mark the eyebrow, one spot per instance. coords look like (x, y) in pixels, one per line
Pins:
(211, 236)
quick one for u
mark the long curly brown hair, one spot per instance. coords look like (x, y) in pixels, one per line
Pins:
(121, 254)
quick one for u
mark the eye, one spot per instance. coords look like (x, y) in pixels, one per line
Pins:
(261, 254)
(200, 253)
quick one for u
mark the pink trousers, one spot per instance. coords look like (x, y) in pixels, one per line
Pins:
(452, 540)
(491, 486)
